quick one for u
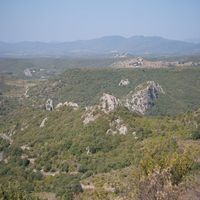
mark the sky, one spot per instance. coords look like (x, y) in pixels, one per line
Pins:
(68, 20)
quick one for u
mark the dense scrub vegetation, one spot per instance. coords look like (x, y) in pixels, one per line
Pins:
(156, 159)
(85, 86)
(55, 157)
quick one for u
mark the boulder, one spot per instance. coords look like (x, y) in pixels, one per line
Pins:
(59, 105)
(43, 122)
(108, 103)
(27, 72)
(75, 106)
(124, 82)
(90, 114)
(49, 105)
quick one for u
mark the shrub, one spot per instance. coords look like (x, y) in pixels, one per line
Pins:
(65, 167)
(181, 164)
(14, 191)
(25, 162)
(36, 175)
(82, 168)
(195, 135)
(157, 186)
(87, 174)
(75, 188)
(47, 167)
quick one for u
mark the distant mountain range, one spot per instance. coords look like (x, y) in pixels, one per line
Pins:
(136, 45)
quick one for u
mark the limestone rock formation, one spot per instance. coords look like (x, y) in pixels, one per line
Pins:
(108, 103)
(124, 82)
(59, 105)
(117, 127)
(71, 104)
(143, 98)
(27, 72)
(90, 114)
(75, 106)
(49, 105)
(43, 122)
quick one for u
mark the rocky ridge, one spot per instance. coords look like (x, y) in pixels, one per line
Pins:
(143, 97)
(140, 100)
(75, 106)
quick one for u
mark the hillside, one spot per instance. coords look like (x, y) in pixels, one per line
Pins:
(71, 160)
(86, 86)
(136, 45)
(117, 147)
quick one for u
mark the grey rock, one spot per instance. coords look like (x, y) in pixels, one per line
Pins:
(49, 105)
(143, 98)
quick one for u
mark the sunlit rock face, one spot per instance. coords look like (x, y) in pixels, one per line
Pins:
(49, 105)
(117, 127)
(90, 114)
(124, 82)
(75, 106)
(108, 103)
(143, 98)
(43, 122)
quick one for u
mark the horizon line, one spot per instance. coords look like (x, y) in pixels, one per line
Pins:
(100, 37)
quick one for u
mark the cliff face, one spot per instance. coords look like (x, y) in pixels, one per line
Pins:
(139, 101)
(108, 103)
(143, 98)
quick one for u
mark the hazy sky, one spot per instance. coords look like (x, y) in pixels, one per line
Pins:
(67, 20)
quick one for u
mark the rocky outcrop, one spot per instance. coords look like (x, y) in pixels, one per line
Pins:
(90, 114)
(117, 127)
(71, 104)
(108, 103)
(27, 72)
(59, 105)
(75, 106)
(43, 122)
(143, 98)
(124, 82)
(139, 101)
(49, 105)
(25, 147)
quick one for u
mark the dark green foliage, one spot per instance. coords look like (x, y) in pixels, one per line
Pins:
(182, 165)
(86, 86)
(195, 135)
(8, 105)
(76, 152)
(65, 167)
(47, 166)
(3, 144)
(75, 188)
(13, 191)
(82, 168)
(24, 162)
(36, 175)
